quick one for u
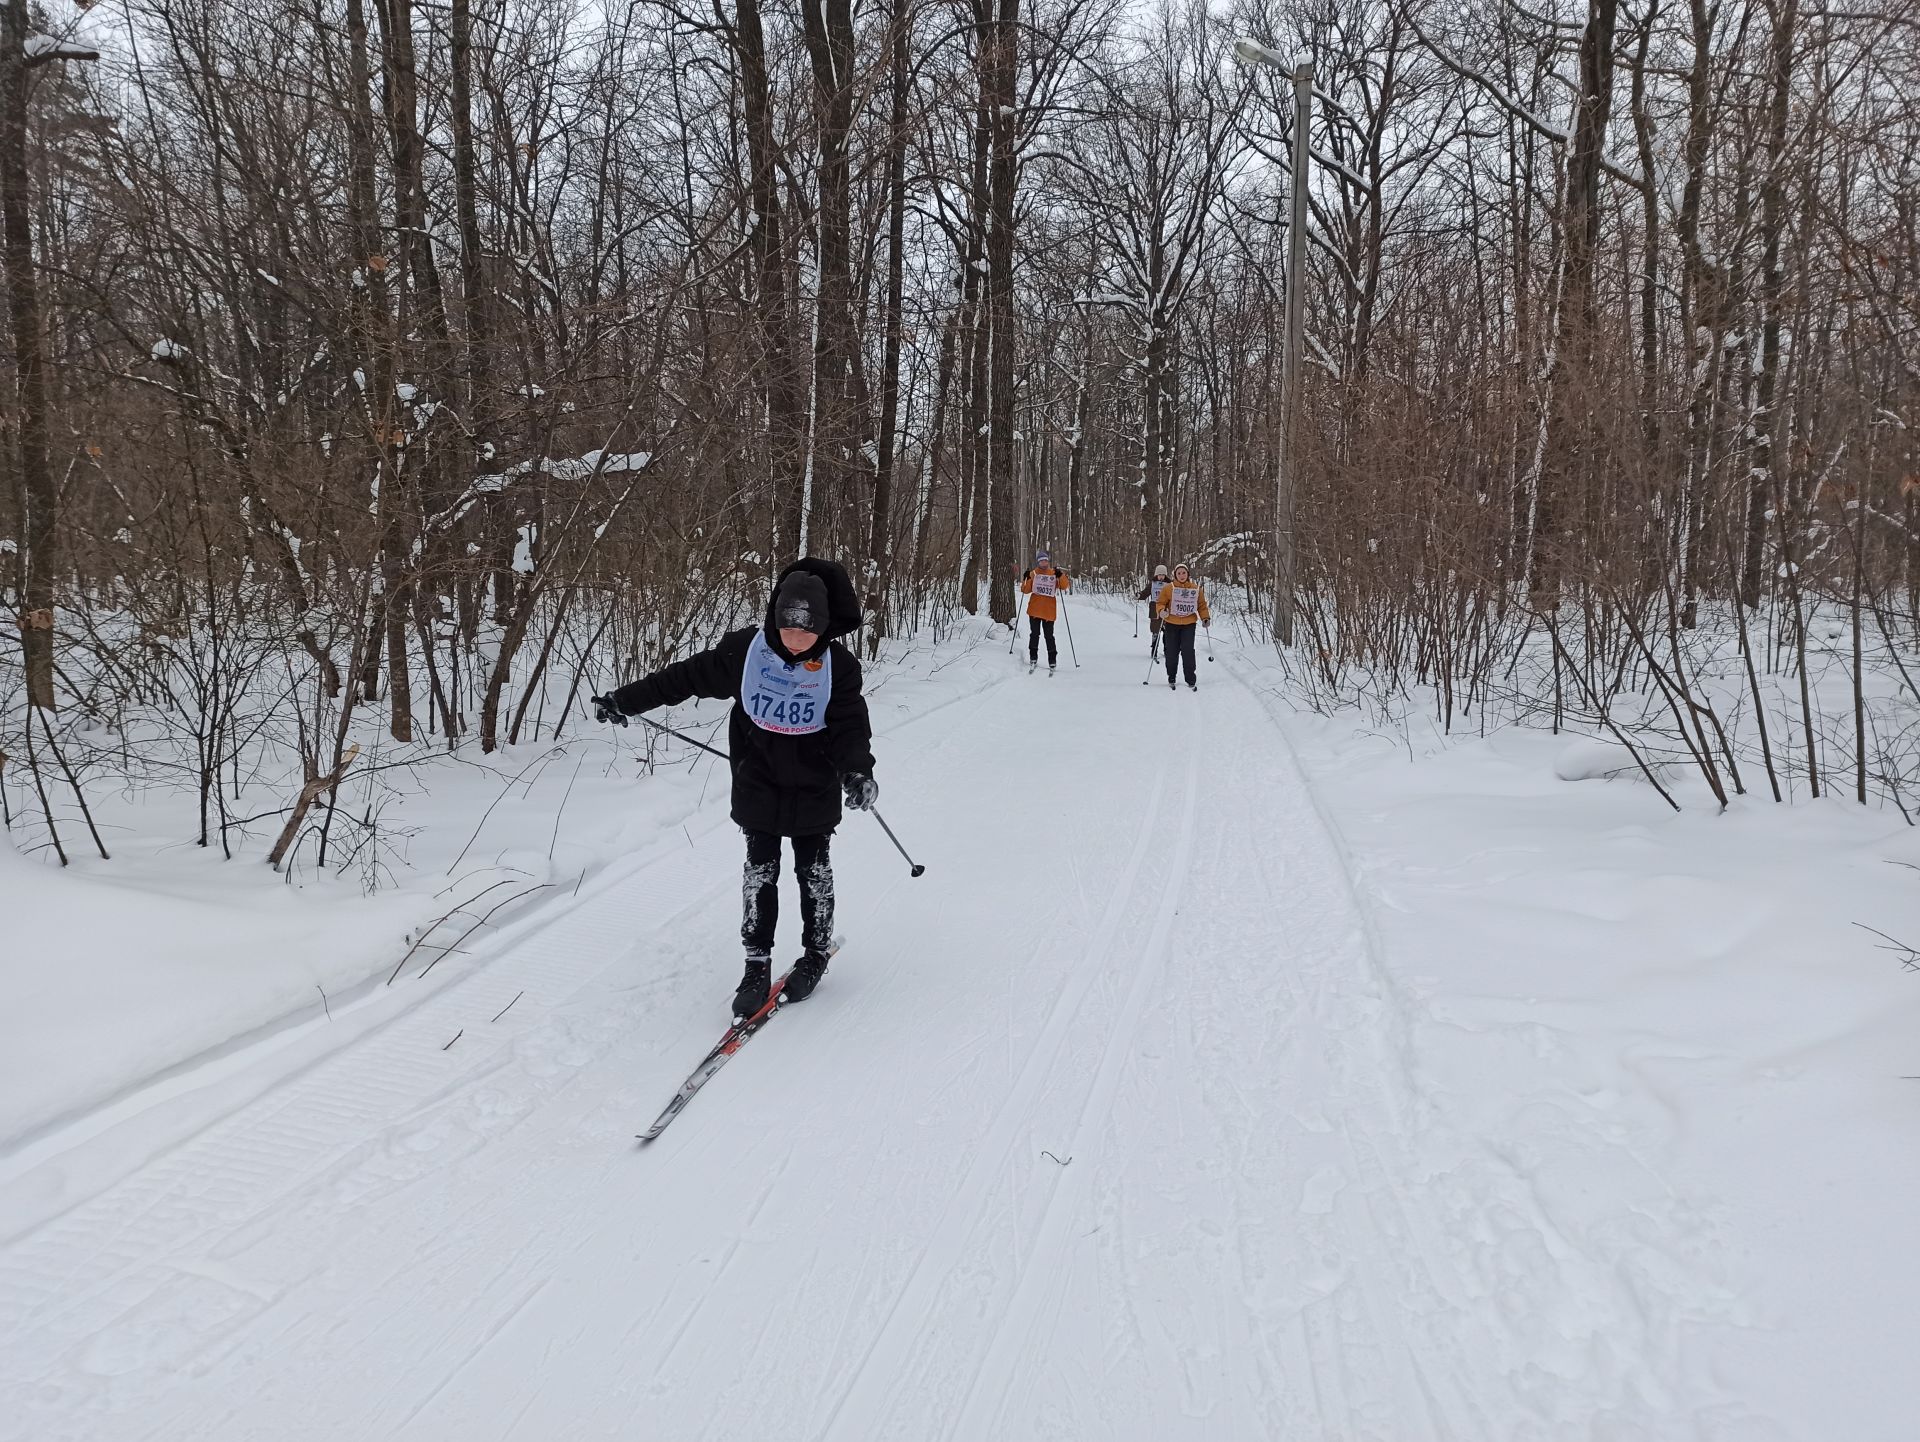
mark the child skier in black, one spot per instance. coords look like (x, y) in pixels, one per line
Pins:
(798, 737)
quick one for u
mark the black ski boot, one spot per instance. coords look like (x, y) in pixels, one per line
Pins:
(754, 987)
(804, 977)
(1193, 685)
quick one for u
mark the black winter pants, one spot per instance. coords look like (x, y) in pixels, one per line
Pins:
(1036, 627)
(1178, 641)
(760, 892)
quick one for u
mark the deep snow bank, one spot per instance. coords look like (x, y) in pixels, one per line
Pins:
(1674, 1025)
(116, 972)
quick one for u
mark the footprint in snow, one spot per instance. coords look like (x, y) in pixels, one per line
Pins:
(1316, 1198)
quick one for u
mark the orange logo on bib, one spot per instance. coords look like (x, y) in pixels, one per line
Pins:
(813, 665)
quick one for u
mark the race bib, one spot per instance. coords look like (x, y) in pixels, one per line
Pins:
(1186, 601)
(788, 699)
(1044, 583)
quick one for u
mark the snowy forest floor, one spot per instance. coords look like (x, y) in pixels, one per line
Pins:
(1232, 1073)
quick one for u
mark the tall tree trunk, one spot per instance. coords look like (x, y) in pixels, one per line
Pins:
(974, 406)
(474, 302)
(39, 498)
(371, 318)
(936, 442)
(1569, 465)
(1702, 312)
(1764, 488)
(879, 536)
(779, 373)
(834, 457)
(1004, 50)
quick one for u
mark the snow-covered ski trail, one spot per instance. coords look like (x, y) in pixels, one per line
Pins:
(1136, 949)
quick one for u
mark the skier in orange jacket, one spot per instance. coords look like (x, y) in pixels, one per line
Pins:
(1182, 601)
(1040, 586)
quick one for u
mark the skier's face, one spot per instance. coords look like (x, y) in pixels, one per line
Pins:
(1180, 573)
(797, 641)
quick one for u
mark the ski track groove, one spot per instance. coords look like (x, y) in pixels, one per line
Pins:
(986, 1394)
(855, 1415)
(346, 1106)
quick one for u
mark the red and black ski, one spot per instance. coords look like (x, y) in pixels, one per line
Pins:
(722, 1052)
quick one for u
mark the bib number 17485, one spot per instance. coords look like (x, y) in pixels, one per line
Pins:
(791, 711)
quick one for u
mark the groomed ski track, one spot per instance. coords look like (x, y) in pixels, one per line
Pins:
(1137, 948)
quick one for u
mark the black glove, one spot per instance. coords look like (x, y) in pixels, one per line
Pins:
(861, 789)
(605, 708)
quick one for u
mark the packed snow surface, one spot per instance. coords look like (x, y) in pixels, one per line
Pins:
(1183, 1097)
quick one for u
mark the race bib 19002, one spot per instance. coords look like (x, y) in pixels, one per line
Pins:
(790, 699)
(1044, 583)
(1186, 601)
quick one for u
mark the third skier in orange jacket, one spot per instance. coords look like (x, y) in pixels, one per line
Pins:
(1040, 586)
(1182, 601)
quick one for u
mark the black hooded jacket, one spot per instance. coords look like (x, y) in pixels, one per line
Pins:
(787, 785)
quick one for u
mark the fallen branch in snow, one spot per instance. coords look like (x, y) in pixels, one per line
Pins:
(482, 922)
(1909, 956)
(509, 1006)
(438, 921)
(309, 793)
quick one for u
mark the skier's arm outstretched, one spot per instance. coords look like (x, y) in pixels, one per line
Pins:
(713, 674)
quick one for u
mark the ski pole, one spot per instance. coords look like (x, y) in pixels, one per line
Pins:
(715, 751)
(1069, 620)
(1146, 679)
(682, 736)
(1209, 630)
(918, 869)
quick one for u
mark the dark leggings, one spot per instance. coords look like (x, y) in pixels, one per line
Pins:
(760, 892)
(1036, 625)
(1178, 643)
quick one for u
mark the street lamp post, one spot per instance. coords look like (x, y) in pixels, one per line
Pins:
(1251, 53)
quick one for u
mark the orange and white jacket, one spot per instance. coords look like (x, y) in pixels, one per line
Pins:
(1179, 605)
(1039, 603)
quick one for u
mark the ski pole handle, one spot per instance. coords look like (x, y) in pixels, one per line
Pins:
(918, 869)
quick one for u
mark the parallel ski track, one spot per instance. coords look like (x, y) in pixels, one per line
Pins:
(1040, 1276)
(868, 1397)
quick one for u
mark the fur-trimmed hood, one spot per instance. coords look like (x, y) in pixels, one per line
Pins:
(843, 604)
